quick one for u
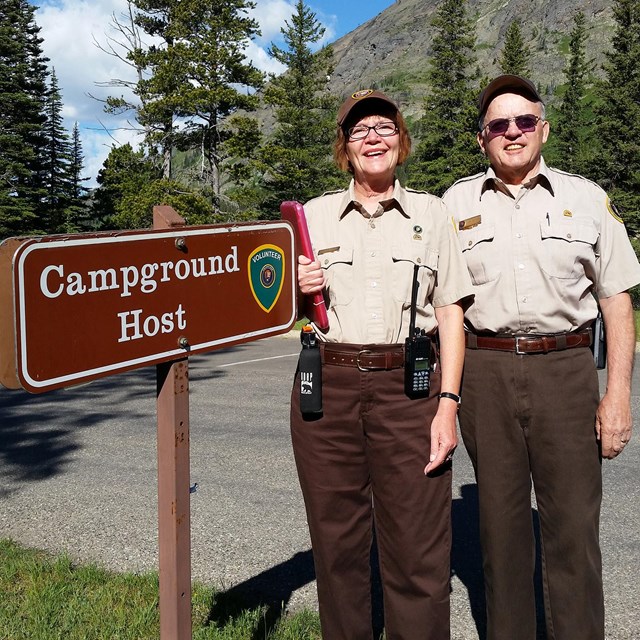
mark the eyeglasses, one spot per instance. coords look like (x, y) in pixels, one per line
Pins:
(526, 123)
(383, 129)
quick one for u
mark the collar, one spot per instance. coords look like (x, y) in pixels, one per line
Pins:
(493, 183)
(398, 200)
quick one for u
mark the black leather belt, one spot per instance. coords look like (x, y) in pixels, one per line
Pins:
(530, 344)
(366, 357)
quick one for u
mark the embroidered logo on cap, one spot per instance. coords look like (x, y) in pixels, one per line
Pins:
(363, 93)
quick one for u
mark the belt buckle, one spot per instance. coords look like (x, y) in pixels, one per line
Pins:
(518, 351)
(360, 353)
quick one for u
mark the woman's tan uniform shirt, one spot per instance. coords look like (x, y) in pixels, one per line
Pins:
(535, 258)
(369, 263)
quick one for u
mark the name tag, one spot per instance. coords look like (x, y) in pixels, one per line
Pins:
(469, 223)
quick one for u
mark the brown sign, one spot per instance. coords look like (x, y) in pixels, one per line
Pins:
(92, 305)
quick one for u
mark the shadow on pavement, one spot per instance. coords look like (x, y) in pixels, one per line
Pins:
(271, 589)
(466, 559)
(38, 432)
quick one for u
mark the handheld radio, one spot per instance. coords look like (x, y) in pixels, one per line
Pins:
(417, 352)
(599, 345)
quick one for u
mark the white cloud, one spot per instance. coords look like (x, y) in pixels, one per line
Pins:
(271, 16)
(261, 59)
(70, 29)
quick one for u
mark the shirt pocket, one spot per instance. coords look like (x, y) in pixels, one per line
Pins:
(566, 246)
(338, 267)
(404, 260)
(480, 253)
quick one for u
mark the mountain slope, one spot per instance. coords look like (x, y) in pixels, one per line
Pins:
(391, 51)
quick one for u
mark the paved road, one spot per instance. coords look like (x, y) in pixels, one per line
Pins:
(78, 474)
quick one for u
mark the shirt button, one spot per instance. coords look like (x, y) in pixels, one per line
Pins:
(374, 315)
(524, 299)
(520, 266)
(518, 235)
(470, 243)
(374, 284)
(517, 206)
(569, 236)
(373, 254)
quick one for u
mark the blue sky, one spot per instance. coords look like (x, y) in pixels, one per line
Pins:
(349, 14)
(73, 29)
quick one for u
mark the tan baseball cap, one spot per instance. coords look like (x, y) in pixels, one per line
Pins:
(502, 84)
(357, 98)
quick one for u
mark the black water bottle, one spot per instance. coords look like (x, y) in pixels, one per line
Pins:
(310, 367)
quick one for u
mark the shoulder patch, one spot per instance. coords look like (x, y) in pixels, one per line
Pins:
(613, 211)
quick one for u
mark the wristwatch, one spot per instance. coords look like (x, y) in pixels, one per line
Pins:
(451, 396)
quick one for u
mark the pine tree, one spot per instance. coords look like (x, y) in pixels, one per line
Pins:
(128, 48)
(58, 177)
(574, 130)
(296, 162)
(200, 74)
(77, 214)
(163, 71)
(23, 74)
(515, 54)
(124, 172)
(129, 187)
(222, 82)
(619, 115)
(78, 191)
(448, 149)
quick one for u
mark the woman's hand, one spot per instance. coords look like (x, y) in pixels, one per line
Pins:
(311, 277)
(444, 436)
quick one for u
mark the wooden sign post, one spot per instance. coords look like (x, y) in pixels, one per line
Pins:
(86, 306)
(174, 501)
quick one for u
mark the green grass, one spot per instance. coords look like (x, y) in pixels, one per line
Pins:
(43, 597)
(636, 315)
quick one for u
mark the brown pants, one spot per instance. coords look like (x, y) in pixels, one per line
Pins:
(524, 418)
(369, 449)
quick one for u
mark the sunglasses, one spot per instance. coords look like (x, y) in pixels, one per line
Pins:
(526, 123)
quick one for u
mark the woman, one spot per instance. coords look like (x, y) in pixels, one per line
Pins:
(375, 455)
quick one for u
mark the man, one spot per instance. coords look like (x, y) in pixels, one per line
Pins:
(540, 245)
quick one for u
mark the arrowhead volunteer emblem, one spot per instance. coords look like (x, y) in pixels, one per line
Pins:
(266, 275)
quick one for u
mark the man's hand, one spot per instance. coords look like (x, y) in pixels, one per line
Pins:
(613, 425)
(613, 417)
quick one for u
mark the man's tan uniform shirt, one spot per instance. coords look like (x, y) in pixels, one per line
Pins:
(535, 258)
(369, 262)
